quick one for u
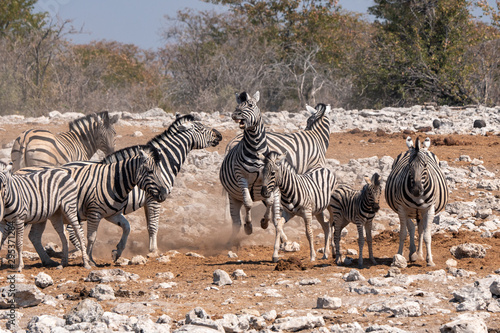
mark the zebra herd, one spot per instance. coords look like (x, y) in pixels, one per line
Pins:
(53, 180)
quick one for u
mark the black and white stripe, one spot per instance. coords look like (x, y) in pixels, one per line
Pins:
(174, 144)
(240, 170)
(416, 189)
(304, 194)
(33, 198)
(103, 190)
(85, 136)
(358, 206)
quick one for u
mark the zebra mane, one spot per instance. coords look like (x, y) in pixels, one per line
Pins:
(314, 118)
(132, 151)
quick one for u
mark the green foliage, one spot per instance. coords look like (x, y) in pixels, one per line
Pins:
(17, 17)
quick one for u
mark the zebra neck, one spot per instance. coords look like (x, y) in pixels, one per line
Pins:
(287, 183)
(255, 140)
(322, 127)
(125, 176)
(84, 138)
(174, 150)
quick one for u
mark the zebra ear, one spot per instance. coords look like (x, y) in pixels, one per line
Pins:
(281, 158)
(376, 179)
(261, 156)
(409, 142)
(310, 109)
(368, 180)
(328, 109)
(114, 119)
(427, 142)
(256, 96)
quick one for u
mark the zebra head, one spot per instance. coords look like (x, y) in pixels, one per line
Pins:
(271, 173)
(247, 113)
(417, 168)
(106, 132)
(373, 191)
(317, 113)
(201, 135)
(149, 175)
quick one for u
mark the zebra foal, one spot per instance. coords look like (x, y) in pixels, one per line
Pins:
(304, 194)
(358, 206)
(416, 189)
(34, 198)
(85, 136)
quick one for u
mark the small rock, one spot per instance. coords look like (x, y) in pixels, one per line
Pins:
(466, 325)
(290, 247)
(327, 302)
(239, 273)
(165, 275)
(393, 272)
(309, 282)
(399, 261)
(479, 123)
(102, 292)
(231, 254)
(353, 275)
(122, 261)
(138, 260)
(468, 250)
(451, 263)
(194, 255)
(221, 278)
(43, 280)
(87, 311)
(298, 323)
(25, 295)
(436, 123)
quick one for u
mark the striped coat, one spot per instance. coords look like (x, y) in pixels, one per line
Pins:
(305, 195)
(358, 206)
(33, 198)
(416, 189)
(85, 136)
(240, 169)
(103, 190)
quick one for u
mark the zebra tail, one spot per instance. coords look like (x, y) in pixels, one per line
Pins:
(17, 154)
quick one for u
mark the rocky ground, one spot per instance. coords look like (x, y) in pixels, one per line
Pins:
(199, 284)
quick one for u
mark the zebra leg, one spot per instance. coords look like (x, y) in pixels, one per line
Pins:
(69, 216)
(369, 240)
(58, 225)
(93, 220)
(35, 236)
(326, 230)
(4, 229)
(428, 218)
(411, 231)
(19, 224)
(248, 203)
(152, 211)
(403, 221)
(361, 241)
(123, 223)
(235, 211)
(307, 216)
(264, 222)
(339, 224)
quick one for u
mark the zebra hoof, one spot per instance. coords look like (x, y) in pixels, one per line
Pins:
(114, 255)
(431, 263)
(414, 257)
(87, 266)
(275, 259)
(50, 263)
(264, 223)
(248, 228)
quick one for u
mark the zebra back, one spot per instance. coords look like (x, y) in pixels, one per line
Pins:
(416, 180)
(297, 190)
(85, 136)
(364, 203)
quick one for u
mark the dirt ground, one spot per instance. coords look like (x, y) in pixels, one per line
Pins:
(194, 275)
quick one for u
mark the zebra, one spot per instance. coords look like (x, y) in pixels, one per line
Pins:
(174, 144)
(33, 198)
(240, 169)
(304, 194)
(416, 188)
(103, 190)
(85, 136)
(357, 206)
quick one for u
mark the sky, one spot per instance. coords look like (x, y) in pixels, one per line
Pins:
(133, 21)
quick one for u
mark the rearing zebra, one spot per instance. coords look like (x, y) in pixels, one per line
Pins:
(416, 188)
(85, 136)
(241, 168)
